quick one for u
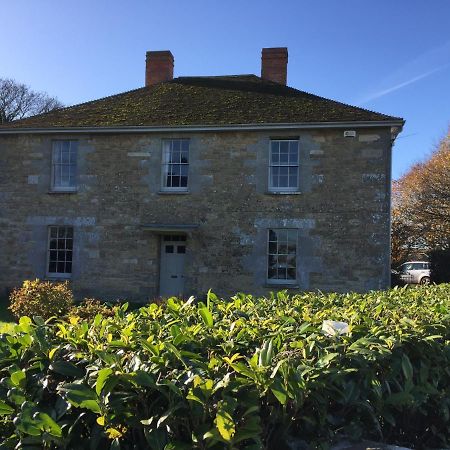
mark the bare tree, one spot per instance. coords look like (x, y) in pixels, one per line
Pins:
(18, 101)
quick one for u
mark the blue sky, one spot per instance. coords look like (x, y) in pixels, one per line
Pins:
(388, 56)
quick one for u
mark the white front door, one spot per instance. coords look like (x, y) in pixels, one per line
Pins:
(173, 253)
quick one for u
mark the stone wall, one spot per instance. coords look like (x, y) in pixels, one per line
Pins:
(342, 212)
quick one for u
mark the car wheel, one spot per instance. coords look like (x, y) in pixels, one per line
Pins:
(425, 280)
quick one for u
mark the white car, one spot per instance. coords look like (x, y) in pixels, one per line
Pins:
(415, 272)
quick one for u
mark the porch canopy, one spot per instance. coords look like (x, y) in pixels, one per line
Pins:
(170, 228)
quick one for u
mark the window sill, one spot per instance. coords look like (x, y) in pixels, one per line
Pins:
(283, 193)
(68, 191)
(282, 286)
(58, 278)
(173, 192)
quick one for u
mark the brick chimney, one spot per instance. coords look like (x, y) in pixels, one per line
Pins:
(158, 67)
(274, 64)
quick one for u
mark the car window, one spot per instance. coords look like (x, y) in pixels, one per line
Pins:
(407, 266)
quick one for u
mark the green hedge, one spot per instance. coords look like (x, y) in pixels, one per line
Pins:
(243, 373)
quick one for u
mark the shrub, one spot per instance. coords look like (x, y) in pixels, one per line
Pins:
(243, 373)
(89, 308)
(41, 298)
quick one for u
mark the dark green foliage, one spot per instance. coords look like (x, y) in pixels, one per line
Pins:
(238, 374)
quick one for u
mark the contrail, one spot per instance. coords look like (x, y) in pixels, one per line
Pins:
(401, 85)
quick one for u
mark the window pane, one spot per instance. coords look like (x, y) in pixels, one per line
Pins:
(292, 248)
(176, 147)
(169, 248)
(290, 261)
(284, 147)
(181, 249)
(60, 250)
(282, 273)
(65, 172)
(185, 145)
(73, 155)
(275, 157)
(184, 157)
(284, 171)
(281, 260)
(65, 157)
(64, 163)
(57, 175)
(272, 261)
(293, 180)
(272, 235)
(175, 161)
(293, 157)
(175, 157)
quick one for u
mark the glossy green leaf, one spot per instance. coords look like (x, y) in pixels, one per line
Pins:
(206, 316)
(5, 409)
(102, 377)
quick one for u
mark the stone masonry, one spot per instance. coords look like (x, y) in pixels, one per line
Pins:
(342, 211)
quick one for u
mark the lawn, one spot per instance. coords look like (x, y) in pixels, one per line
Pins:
(6, 318)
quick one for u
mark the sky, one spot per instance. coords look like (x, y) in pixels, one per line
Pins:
(387, 56)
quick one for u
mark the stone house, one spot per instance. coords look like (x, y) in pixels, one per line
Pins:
(234, 183)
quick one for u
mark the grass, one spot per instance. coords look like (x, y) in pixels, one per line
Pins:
(6, 318)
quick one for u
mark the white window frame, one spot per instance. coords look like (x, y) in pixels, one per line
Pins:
(61, 275)
(282, 281)
(272, 165)
(57, 149)
(167, 149)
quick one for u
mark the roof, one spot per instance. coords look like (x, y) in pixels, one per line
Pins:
(194, 101)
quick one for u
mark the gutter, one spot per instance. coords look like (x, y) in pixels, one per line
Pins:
(398, 124)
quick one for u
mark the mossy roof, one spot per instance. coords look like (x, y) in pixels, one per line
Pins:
(190, 101)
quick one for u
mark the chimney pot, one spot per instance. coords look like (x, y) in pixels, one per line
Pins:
(274, 64)
(158, 67)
